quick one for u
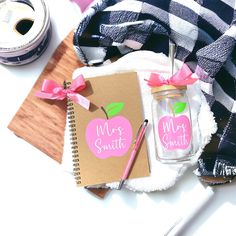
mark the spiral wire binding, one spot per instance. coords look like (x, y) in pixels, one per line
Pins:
(73, 138)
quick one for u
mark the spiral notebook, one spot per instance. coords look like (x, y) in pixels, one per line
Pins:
(102, 138)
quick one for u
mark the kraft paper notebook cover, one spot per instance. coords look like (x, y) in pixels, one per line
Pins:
(102, 138)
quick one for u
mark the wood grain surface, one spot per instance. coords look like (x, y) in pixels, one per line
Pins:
(42, 122)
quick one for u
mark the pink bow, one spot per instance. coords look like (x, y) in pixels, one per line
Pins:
(182, 77)
(83, 4)
(51, 90)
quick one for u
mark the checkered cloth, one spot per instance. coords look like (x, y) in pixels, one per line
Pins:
(204, 32)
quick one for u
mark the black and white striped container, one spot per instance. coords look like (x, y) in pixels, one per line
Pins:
(25, 30)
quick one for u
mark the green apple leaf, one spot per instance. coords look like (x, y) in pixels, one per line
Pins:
(114, 108)
(179, 107)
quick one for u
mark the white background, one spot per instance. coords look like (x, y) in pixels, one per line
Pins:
(38, 198)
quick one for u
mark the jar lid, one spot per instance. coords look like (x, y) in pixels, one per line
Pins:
(167, 88)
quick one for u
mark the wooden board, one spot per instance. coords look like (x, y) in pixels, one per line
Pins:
(42, 122)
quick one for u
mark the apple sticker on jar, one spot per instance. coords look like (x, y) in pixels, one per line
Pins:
(110, 137)
(175, 131)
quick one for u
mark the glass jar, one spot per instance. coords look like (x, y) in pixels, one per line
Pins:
(172, 124)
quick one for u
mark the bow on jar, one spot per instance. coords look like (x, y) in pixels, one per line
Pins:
(182, 77)
(51, 90)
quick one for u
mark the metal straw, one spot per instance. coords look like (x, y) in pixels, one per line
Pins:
(172, 56)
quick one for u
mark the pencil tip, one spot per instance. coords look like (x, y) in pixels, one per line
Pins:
(120, 184)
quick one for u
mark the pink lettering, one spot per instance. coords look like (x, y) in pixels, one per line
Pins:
(109, 138)
(175, 132)
(103, 130)
(116, 144)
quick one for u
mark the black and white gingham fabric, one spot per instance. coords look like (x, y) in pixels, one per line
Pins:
(204, 32)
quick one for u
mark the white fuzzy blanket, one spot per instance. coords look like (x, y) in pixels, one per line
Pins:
(162, 176)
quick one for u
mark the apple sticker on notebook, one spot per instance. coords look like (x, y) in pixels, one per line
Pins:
(110, 137)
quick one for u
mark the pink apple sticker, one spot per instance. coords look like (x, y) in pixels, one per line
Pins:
(109, 137)
(175, 132)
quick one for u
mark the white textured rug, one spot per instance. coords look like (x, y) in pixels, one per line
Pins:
(162, 176)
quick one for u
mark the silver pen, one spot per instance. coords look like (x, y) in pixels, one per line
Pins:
(183, 221)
